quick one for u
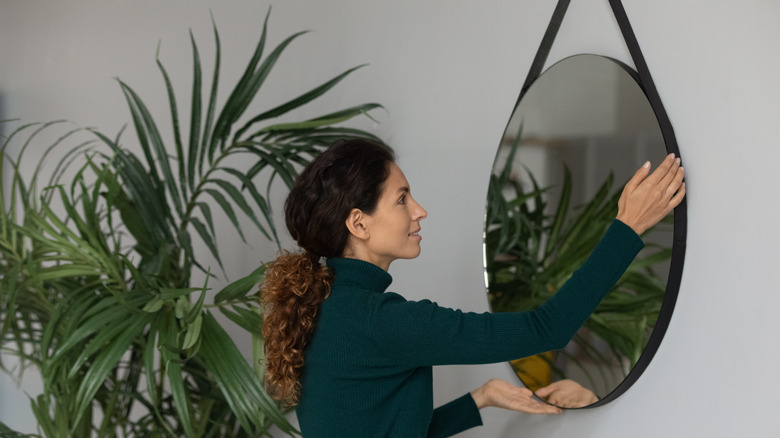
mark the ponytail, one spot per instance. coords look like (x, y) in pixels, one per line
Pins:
(295, 285)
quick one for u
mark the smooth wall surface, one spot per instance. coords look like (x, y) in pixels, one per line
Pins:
(448, 73)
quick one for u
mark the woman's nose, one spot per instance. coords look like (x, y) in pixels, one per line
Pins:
(421, 212)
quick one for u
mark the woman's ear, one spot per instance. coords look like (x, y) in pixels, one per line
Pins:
(355, 224)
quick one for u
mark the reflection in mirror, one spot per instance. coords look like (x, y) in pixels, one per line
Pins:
(575, 138)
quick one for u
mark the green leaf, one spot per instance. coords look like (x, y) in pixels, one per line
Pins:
(196, 309)
(180, 398)
(168, 294)
(153, 306)
(142, 190)
(239, 200)
(106, 360)
(226, 207)
(207, 239)
(330, 119)
(245, 318)
(92, 323)
(258, 353)
(147, 128)
(561, 210)
(241, 95)
(180, 158)
(279, 164)
(66, 271)
(297, 102)
(193, 332)
(150, 347)
(103, 333)
(241, 387)
(206, 210)
(195, 116)
(208, 137)
(134, 223)
(259, 200)
(239, 288)
(7, 432)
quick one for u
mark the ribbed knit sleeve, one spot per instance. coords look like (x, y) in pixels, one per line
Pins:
(423, 334)
(454, 417)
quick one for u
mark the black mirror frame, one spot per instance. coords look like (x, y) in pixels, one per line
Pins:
(645, 81)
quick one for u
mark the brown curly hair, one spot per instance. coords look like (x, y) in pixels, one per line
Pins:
(292, 292)
(349, 174)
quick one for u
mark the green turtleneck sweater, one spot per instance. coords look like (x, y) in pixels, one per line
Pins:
(368, 368)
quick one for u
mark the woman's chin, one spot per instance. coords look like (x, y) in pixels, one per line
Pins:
(414, 254)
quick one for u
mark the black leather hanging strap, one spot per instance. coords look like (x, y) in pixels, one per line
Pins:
(545, 46)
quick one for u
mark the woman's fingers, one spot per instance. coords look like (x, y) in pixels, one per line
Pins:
(638, 177)
(545, 391)
(671, 173)
(678, 197)
(676, 183)
(647, 200)
(643, 175)
(672, 185)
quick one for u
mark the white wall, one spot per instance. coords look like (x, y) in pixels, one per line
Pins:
(448, 73)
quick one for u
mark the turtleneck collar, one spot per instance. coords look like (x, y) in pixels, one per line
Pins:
(359, 273)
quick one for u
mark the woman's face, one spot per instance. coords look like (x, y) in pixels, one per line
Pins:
(393, 229)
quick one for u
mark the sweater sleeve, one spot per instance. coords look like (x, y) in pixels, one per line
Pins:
(421, 333)
(454, 417)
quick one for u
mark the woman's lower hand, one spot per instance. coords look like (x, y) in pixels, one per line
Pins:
(649, 197)
(567, 394)
(502, 394)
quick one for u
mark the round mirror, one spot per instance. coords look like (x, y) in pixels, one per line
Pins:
(575, 137)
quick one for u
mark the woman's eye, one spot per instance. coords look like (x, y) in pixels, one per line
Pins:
(402, 201)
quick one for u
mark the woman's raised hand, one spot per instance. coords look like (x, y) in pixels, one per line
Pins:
(502, 394)
(649, 197)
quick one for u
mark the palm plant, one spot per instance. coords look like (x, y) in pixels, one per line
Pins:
(530, 254)
(96, 263)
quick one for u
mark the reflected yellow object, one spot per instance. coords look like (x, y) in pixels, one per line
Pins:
(534, 371)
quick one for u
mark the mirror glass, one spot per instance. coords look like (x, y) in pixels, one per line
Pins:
(576, 136)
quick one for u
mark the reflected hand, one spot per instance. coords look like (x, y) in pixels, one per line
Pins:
(502, 394)
(647, 198)
(567, 394)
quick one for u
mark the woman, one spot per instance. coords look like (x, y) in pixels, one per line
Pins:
(357, 360)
